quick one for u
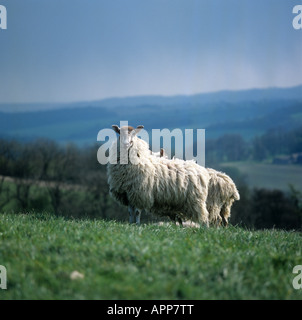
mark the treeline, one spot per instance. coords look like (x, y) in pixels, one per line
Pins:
(261, 208)
(68, 180)
(232, 147)
(45, 176)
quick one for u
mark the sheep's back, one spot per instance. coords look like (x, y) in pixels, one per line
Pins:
(222, 186)
(168, 184)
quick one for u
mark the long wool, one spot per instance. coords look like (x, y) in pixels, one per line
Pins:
(222, 193)
(159, 185)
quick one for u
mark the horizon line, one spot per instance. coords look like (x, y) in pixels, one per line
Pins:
(146, 95)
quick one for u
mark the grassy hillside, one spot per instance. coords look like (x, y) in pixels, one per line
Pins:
(121, 261)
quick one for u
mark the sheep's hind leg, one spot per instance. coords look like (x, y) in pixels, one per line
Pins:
(204, 215)
(225, 214)
(131, 214)
(178, 219)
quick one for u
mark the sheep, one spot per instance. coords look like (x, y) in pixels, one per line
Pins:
(222, 192)
(136, 213)
(162, 153)
(221, 195)
(174, 188)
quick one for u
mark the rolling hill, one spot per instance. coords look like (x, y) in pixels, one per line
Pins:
(247, 112)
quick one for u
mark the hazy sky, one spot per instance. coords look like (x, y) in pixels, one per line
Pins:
(70, 50)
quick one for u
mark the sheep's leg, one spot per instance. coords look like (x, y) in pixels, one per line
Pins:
(204, 215)
(199, 213)
(225, 222)
(138, 216)
(178, 219)
(131, 214)
(225, 213)
(215, 215)
(224, 216)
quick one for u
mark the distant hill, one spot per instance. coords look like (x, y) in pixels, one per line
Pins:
(247, 112)
(227, 96)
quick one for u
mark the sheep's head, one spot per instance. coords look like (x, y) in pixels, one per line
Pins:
(127, 133)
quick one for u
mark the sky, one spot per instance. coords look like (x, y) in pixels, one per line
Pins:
(82, 50)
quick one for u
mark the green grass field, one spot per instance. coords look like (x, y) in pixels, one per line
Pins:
(121, 261)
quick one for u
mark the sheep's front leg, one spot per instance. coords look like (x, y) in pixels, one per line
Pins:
(138, 216)
(131, 214)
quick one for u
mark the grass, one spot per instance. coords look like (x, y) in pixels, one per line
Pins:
(121, 261)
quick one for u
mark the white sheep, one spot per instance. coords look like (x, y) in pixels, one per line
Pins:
(221, 195)
(174, 188)
(222, 192)
(135, 213)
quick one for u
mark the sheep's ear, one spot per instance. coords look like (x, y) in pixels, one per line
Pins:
(138, 129)
(116, 128)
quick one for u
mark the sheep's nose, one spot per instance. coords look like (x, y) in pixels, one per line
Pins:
(126, 145)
